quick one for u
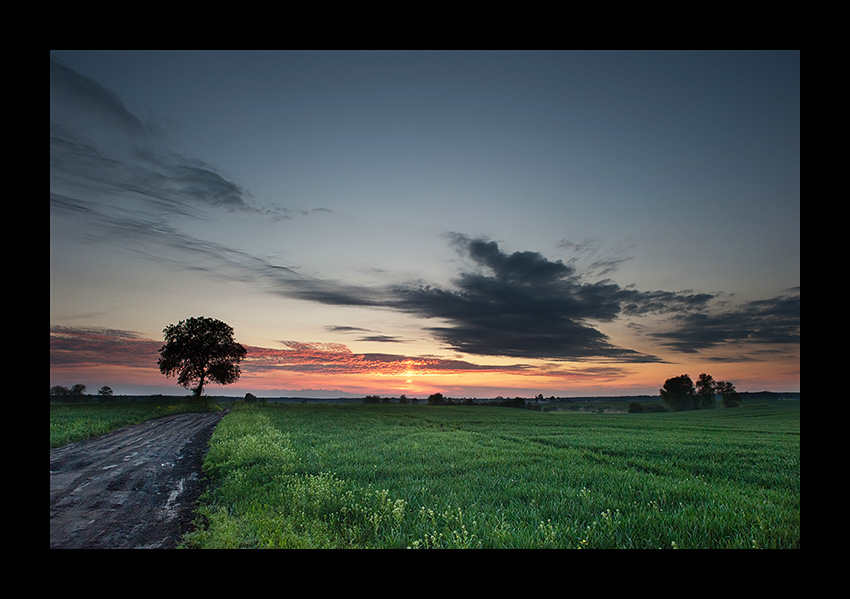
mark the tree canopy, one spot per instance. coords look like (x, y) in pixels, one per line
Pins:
(704, 395)
(680, 393)
(728, 395)
(200, 350)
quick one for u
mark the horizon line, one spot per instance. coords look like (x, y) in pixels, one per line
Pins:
(358, 397)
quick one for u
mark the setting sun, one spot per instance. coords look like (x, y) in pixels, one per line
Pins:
(476, 224)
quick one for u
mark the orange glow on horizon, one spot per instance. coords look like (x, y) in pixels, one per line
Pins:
(107, 358)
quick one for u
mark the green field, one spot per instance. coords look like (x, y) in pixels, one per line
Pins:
(399, 476)
(70, 422)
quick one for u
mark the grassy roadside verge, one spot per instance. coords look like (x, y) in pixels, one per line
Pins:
(422, 477)
(71, 422)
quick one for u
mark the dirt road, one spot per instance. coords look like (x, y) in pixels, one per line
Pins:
(132, 488)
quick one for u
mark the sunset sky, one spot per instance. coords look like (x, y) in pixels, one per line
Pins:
(405, 222)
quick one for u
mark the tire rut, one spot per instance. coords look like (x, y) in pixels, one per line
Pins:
(132, 488)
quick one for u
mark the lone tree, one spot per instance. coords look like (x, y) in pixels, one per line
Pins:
(436, 398)
(678, 393)
(198, 350)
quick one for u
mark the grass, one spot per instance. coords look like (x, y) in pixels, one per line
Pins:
(400, 476)
(71, 422)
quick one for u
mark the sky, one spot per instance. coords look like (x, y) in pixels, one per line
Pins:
(475, 223)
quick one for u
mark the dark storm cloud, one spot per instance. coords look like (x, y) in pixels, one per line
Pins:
(771, 321)
(114, 179)
(518, 305)
(519, 267)
(524, 305)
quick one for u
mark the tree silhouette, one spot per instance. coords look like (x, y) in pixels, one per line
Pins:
(436, 398)
(728, 395)
(678, 393)
(198, 350)
(705, 389)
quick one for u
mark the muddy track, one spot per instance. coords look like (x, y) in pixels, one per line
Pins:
(133, 488)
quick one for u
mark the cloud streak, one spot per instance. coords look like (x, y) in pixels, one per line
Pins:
(336, 358)
(94, 346)
(101, 153)
(87, 347)
(115, 181)
(764, 322)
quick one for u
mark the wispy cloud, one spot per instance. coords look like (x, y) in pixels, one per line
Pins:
(78, 351)
(87, 347)
(593, 258)
(762, 322)
(95, 346)
(336, 358)
(382, 339)
(373, 337)
(115, 180)
(105, 157)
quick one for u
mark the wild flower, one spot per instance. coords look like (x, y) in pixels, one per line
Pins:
(548, 532)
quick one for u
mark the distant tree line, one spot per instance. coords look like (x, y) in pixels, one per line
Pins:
(378, 399)
(681, 393)
(251, 398)
(437, 399)
(77, 393)
(638, 407)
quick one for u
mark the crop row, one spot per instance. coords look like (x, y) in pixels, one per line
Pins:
(394, 476)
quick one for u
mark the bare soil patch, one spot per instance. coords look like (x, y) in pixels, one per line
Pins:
(133, 488)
